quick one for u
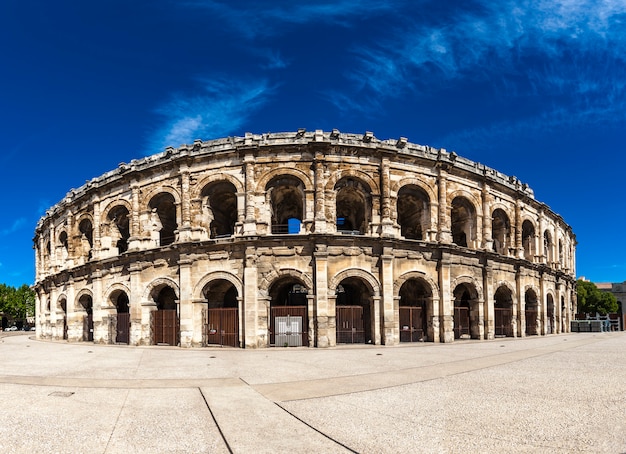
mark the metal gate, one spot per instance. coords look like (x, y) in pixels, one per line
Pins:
(531, 322)
(289, 326)
(122, 328)
(164, 324)
(411, 324)
(350, 325)
(461, 322)
(503, 317)
(222, 327)
(88, 328)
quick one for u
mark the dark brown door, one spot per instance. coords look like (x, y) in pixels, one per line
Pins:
(350, 325)
(88, 328)
(461, 321)
(412, 327)
(531, 322)
(164, 327)
(503, 318)
(289, 326)
(223, 327)
(122, 335)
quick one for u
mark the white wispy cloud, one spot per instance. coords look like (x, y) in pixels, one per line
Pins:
(566, 56)
(218, 108)
(16, 226)
(259, 19)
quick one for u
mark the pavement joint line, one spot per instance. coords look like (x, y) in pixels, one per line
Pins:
(315, 428)
(217, 424)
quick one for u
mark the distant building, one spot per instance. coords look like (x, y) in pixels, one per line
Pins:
(302, 238)
(619, 291)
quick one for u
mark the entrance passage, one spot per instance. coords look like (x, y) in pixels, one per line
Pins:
(122, 333)
(350, 329)
(503, 318)
(289, 326)
(461, 322)
(88, 328)
(411, 324)
(223, 326)
(164, 327)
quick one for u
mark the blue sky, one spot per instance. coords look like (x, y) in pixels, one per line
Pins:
(535, 89)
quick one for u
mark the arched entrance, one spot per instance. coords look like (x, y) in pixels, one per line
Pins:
(551, 321)
(222, 318)
(164, 321)
(355, 311)
(414, 310)
(63, 307)
(87, 304)
(466, 317)
(289, 321)
(119, 299)
(531, 312)
(503, 311)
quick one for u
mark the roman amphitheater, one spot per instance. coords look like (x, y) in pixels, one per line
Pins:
(307, 238)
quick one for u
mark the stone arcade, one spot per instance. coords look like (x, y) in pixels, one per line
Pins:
(303, 238)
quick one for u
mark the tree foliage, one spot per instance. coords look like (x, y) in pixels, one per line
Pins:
(17, 303)
(592, 300)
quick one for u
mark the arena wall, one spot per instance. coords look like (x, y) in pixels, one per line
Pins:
(303, 238)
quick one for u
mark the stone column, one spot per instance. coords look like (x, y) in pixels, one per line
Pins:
(134, 241)
(320, 209)
(446, 301)
(387, 229)
(100, 319)
(325, 332)
(541, 252)
(390, 329)
(488, 297)
(136, 307)
(443, 226)
(97, 244)
(518, 319)
(487, 233)
(184, 230)
(185, 306)
(249, 226)
(518, 230)
(253, 338)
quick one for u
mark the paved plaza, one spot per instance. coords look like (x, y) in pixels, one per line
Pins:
(559, 394)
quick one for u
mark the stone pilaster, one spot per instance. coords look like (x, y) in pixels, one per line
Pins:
(390, 329)
(443, 224)
(325, 321)
(185, 307)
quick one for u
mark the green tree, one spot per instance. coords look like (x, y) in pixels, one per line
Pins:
(592, 300)
(17, 303)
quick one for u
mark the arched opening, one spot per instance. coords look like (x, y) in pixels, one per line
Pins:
(503, 311)
(547, 247)
(119, 229)
(355, 312)
(413, 212)
(531, 312)
(414, 311)
(163, 218)
(463, 222)
(287, 204)
(86, 302)
(219, 209)
(222, 318)
(551, 321)
(528, 240)
(500, 232)
(466, 312)
(561, 260)
(119, 299)
(164, 320)
(289, 321)
(62, 307)
(63, 241)
(86, 239)
(353, 206)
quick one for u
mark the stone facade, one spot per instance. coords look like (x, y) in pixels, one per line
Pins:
(304, 238)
